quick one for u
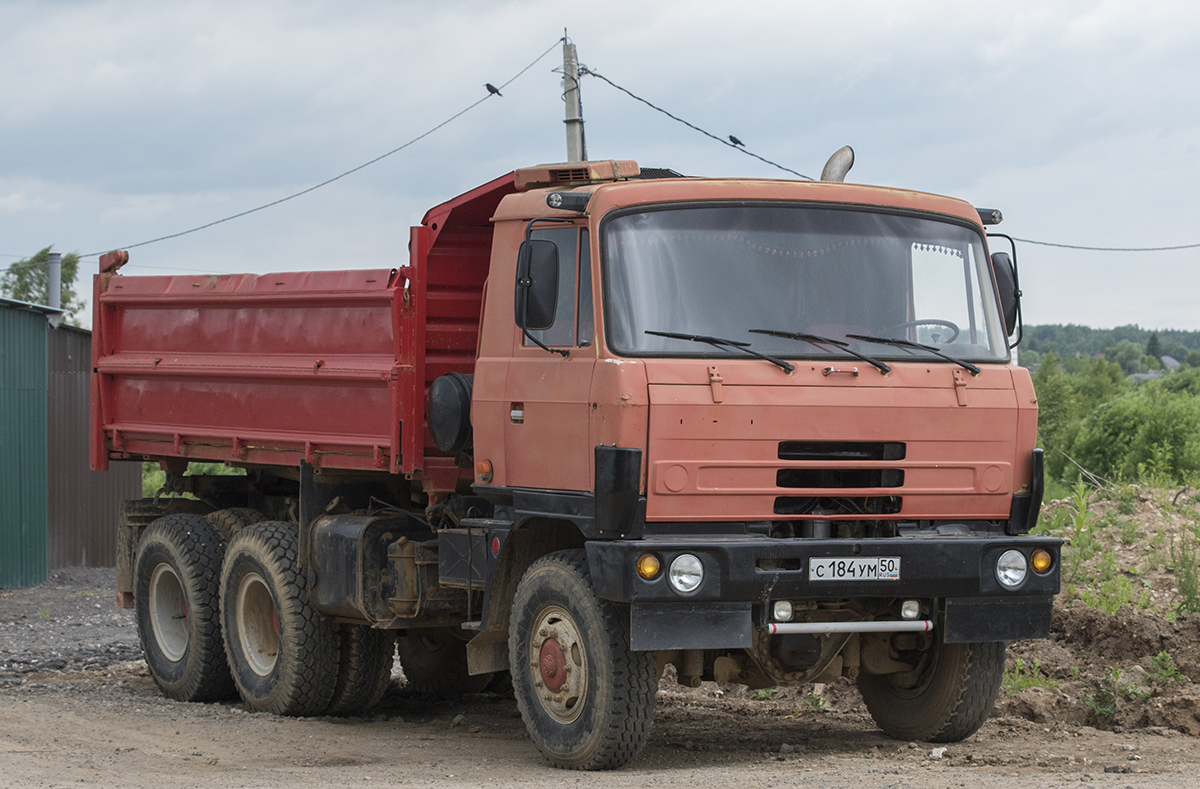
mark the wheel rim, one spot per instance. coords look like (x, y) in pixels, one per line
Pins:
(558, 661)
(257, 624)
(169, 613)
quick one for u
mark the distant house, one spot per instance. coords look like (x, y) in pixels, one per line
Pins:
(1171, 363)
(56, 513)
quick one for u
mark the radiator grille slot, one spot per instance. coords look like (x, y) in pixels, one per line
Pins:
(839, 478)
(823, 505)
(841, 450)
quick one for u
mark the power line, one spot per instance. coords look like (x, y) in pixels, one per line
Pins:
(1106, 249)
(740, 149)
(351, 171)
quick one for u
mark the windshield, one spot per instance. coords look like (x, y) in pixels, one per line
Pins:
(724, 270)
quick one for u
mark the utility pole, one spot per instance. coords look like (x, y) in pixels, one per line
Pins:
(576, 144)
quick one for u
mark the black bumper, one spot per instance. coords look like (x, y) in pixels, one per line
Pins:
(741, 571)
(735, 568)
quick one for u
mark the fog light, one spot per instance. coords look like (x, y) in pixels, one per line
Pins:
(782, 611)
(1041, 561)
(686, 574)
(1011, 569)
(648, 566)
(910, 609)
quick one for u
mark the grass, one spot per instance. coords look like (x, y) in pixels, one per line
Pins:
(1023, 676)
(45, 613)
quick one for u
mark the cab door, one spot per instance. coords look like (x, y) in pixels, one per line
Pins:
(546, 439)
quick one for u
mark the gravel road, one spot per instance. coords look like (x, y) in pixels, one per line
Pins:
(78, 708)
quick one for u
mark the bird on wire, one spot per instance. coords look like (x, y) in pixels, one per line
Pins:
(736, 141)
(492, 88)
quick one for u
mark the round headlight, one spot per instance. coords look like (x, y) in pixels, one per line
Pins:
(686, 574)
(782, 611)
(1011, 569)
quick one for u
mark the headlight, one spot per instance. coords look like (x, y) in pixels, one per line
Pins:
(1011, 569)
(686, 574)
(782, 611)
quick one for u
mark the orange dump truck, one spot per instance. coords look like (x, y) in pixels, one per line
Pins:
(602, 421)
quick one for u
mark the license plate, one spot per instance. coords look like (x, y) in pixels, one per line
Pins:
(876, 568)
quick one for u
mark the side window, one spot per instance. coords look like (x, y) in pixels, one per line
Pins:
(563, 332)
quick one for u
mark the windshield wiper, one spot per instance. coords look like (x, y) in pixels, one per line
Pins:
(718, 342)
(909, 344)
(817, 339)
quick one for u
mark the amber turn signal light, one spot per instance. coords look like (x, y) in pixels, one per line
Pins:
(648, 566)
(1041, 561)
(483, 470)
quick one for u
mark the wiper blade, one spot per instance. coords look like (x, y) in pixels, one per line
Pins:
(817, 339)
(909, 344)
(720, 342)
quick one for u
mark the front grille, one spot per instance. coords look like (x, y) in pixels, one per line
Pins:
(841, 450)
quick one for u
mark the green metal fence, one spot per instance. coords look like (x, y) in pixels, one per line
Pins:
(24, 383)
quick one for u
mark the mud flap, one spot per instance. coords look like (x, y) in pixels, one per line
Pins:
(691, 626)
(971, 620)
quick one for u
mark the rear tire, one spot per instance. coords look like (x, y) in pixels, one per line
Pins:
(435, 662)
(283, 655)
(947, 702)
(229, 522)
(364, 671)
(586, 697)
(177, 574)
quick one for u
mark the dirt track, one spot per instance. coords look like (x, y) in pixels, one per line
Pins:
(75, 710)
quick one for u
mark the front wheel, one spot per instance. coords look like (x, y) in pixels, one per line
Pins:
(946, 699)
(586, 697)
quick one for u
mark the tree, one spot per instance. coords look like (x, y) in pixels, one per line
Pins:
(1154, 348)
(28, 280)
(1129, 355)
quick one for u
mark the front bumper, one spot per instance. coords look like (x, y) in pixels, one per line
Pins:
(744, 572)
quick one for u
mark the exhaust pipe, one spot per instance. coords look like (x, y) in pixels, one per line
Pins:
(839, 164)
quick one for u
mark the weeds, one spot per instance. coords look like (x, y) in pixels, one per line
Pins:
(1164, 670)
(1025, 676)
(813, 702)
(45, 613)
(1102, 705)
(766, 694)
(1185, 556)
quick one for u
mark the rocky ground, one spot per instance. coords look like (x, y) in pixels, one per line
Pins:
(1108, 699)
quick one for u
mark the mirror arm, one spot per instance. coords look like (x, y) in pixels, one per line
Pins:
(1012, 244)
(535, 340)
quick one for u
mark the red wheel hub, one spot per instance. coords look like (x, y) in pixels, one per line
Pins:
(553, 665)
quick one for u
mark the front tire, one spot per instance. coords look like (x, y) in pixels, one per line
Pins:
(586, 697)
(283, 655)
(948, 700)
(177, 573)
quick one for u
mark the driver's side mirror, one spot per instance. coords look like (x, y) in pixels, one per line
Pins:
(537, 284)
(1010, 294)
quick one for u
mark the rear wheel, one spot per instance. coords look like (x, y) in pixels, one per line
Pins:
(178, 570)
(364, 670)
(283, 655)
(229, 522)
(946, 699)
(435, 662)
(586, 697)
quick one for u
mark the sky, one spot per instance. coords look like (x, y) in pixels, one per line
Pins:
(128, 120)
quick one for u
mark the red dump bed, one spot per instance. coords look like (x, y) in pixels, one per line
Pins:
(331, 367)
